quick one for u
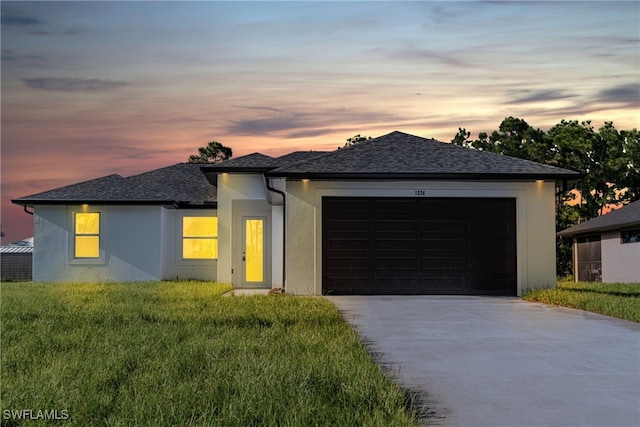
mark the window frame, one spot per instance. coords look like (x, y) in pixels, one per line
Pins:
(181, 239)
(72, 258)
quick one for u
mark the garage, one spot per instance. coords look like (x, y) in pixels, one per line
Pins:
(391, 245)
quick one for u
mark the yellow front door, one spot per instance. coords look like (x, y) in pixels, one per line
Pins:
(253, 264)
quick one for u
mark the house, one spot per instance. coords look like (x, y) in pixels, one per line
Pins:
(398, 214)
(607, 248)
(16, 261)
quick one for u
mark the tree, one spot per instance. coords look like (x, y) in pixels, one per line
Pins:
(631, 173)
(214, 152)
(356, 139)
(514, 137)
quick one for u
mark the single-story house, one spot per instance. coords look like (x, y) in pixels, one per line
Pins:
(398, 214)
(607, 248)
(16, 261)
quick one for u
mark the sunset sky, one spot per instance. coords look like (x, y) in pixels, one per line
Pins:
(95, 88)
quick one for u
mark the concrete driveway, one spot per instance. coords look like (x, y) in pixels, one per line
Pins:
(502, 361)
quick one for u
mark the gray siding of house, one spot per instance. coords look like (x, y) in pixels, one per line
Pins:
(138, 243)
(130, 244)
(620, 261)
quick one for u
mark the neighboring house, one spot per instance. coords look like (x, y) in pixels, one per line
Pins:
(398, 214)
(16, 261)
(607, 248)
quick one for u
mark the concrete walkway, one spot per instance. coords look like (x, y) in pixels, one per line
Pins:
(503, 361)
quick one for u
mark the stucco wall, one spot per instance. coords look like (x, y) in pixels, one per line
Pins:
(174, 267)
(535, 224)
(130, 240)
(620, 262)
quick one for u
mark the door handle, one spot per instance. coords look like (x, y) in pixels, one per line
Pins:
(244, 258)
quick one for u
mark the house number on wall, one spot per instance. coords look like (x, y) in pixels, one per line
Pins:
(420, 192)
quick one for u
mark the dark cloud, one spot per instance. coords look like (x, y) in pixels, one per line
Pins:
(306, 123)
(10, 18)
(309, 133)
(57, 33)
(522, 97)
(266, 125)
(63, 84)
(628, 94)
(249, 107)
(12, 57)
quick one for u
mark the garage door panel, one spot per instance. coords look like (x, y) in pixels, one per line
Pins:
(401, 267)
(348, 208)
(419, 246)
(493, 230)
(442, 227)
(445, 283)
(352, 263)
(491, 247)
(483, 264)
(442, 209)
(350, 226)
(446, 264)
(442, 245)
(406, 226)
(349, 245)
(395, 208)
(487, 285)
(396, 245)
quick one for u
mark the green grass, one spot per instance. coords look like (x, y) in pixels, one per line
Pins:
(177, 353)
(617, 300)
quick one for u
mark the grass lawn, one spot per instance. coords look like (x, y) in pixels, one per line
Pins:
(177, 353)
(617, 300)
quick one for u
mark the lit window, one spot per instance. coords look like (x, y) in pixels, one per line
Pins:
(87, 235)
(199, 237)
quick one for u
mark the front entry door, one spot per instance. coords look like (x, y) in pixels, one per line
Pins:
(253, 260)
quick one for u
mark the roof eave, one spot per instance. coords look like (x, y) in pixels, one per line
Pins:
(595, 230)
(428, 176)
(221, 169)
(212, 172)
(35, 202)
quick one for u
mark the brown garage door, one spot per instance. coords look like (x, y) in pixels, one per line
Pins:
(418, 246)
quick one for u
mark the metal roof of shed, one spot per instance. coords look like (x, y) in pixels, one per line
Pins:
(24, 246)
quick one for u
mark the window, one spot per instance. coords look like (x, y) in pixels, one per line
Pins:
(199, 237)
(87, 235)
(630, 236)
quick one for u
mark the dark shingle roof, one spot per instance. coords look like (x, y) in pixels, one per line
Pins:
(625, 217)
(181, 183)
(299, 156)
(400, 155)
(254, 162)
(258, 162)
